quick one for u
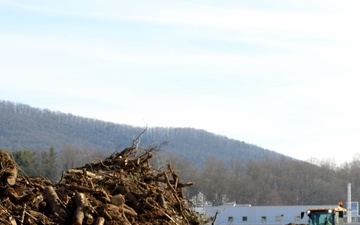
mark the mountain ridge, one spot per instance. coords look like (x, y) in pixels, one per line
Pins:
(26, 127)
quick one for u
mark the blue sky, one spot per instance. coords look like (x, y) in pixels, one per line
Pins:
(282, 75)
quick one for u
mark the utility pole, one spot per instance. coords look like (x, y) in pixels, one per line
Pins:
(349, 203)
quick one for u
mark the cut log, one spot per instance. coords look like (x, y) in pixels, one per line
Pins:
(11, 176)
(52, 198)
(8, 170)
(81, 204)
(100, 221)
(89, 219)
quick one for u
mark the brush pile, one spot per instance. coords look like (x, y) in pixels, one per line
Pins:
(121, 189)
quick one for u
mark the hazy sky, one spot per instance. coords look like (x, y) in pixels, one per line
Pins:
(283, 75)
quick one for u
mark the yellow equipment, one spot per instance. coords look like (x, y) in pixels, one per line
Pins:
(325, 216)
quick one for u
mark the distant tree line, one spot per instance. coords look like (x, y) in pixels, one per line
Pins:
(281, 181)
(271, 181)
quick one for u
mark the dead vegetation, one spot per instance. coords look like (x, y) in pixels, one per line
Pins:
(121, 189)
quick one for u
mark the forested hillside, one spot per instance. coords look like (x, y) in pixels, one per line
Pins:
(45, 143)
(25, 127)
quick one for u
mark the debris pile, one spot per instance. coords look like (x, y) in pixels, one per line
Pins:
(121, 189)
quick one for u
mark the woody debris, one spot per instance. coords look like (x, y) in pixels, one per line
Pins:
(121, 189)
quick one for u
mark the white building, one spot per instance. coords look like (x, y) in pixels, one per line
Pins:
(247, 214)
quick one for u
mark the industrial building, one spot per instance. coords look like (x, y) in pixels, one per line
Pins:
(247, 214)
